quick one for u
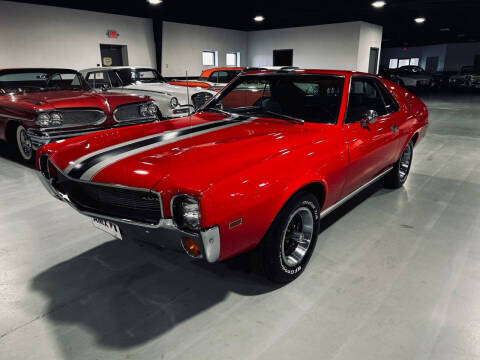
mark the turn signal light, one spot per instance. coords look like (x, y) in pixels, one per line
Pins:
(191, 248)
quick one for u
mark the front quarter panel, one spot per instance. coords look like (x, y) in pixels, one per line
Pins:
(256, 195)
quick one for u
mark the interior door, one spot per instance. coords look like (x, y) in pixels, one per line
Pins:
(373, 148)
(432, 64)
(373, 61)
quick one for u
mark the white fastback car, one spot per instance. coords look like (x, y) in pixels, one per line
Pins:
(172, 101)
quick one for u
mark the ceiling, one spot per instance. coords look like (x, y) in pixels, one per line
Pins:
(460, 17)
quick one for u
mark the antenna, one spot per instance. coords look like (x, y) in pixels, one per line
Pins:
(188, 93)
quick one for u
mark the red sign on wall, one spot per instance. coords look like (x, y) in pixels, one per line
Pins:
(113, 34)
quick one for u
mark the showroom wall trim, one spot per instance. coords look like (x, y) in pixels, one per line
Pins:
(72, 38)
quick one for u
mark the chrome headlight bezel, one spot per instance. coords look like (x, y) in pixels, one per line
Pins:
(46, 119)
(143, 110)
(152, 109)
(174, 103)
(186, 213)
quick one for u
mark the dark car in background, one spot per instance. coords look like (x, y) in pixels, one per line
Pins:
(468, 77)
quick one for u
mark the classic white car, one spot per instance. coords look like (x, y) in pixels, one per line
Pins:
(172, 101)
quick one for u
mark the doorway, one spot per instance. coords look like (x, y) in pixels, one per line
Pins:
(373, 61)
(283, 57)
(114, 55)
(431, 65)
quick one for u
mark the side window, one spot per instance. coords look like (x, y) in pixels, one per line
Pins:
(114, 79)
(391, 104)
(364, 96)
(97, 79)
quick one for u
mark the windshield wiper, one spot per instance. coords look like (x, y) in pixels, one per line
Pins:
(218, 110)
(282, 116)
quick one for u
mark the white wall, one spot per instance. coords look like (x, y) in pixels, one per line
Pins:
(182, 47)
(46, 36)
(343, 46)
(370, 37)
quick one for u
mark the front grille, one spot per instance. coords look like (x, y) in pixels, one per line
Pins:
(81, 117)
(141, 206)
(130, 112)
(200, 98)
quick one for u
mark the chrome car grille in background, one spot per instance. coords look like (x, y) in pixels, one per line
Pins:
(81, 117)
(130, 112)
(200, 98)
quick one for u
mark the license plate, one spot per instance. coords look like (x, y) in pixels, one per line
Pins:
(108, 227)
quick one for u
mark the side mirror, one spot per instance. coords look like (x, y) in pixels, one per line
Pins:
(370, 117)
(105, 87)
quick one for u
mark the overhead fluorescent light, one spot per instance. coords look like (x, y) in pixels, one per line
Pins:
(154, 2)
(445, 29)
(420, 20)
(259, 18)
(379, 4)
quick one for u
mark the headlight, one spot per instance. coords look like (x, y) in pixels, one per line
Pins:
(143, 109)
(56, 119)
(174, 102)
(186, 213)
(152, 109)
(43, 120)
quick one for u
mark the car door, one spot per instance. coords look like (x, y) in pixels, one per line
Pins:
(372, 147)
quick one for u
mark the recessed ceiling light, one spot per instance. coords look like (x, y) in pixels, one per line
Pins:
(379, 4)
(259, 18)
(154, 2)
(420, 20)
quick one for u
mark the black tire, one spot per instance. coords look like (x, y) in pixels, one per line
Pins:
(272, 251)
(399, 174)
(22, 145)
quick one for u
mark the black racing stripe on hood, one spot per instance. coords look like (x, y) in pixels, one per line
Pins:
(82, 167)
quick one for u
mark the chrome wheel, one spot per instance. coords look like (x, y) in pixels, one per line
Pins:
(24, 143)
(297, 236)
(405, 162)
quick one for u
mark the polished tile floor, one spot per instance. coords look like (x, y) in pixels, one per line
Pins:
(395, 275)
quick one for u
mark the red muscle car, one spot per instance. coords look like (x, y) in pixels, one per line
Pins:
(38, 106)
(257, 167)
(213, 79)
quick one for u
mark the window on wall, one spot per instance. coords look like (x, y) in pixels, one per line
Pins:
(414, 61)
(209, 58)
(396, 63)
(233, 59)
(393, 64)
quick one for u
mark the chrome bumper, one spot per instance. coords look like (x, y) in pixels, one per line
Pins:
(40, 138)
(166, 233)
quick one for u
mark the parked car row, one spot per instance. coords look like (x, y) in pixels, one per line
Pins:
(417, 77)
(39, 105)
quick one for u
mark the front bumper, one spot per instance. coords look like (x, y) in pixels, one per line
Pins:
(42, 137)
(165, 234)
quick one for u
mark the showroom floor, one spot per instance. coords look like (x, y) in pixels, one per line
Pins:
(395, 275)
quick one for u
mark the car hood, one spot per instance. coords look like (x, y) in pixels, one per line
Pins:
(179, 92)
(50, 100)
(195, 161)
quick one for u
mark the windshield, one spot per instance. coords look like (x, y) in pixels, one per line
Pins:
(41, 80)
(139, 76)
(312, 98)
(412, 69)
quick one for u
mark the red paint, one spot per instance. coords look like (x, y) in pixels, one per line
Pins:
(22, 108)
(249, 171)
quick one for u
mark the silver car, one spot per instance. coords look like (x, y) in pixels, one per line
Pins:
(172, 101)
(413, 76)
